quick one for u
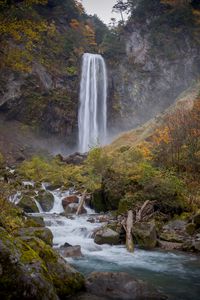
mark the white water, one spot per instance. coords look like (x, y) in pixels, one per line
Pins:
(176, 274)
(92, 118)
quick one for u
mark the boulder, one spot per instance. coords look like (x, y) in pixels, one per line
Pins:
(31, 269)
(106, 235)
(70, 251)
(69, 199)
(46, 200)
(34, 221)
(42, 233)
(169, 246)
(72, 209)
(145, 234)
(174, 231)
(28, 204)
(120, 286)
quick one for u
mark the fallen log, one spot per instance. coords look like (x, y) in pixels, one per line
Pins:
(82, 201)
(129, 238)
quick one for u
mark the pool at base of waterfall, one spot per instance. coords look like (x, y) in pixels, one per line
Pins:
(176, 274)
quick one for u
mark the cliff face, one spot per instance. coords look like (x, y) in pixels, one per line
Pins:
(162, 59)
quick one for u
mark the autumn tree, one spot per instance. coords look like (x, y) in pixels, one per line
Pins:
(21, 30)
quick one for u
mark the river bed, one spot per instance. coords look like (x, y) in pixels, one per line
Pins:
(176, 274)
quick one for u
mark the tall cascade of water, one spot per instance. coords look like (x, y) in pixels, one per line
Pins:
(92, 118)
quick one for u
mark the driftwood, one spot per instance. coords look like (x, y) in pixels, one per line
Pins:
(145, 211)
(129, 238)
(82, 201)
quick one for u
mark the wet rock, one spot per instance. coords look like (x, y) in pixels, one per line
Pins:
(170, 246)
(28, 204)
(46, 200)
(70, 251)
(72, 209)
(69, 199)
(145, 234)
(120, 286)
(44, 234)
(34, 221)
(52, 187)
(106, 235)
(91, 220)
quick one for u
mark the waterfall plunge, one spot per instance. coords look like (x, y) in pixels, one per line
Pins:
(92, 119)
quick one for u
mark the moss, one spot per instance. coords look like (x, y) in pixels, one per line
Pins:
(98, 202)
(28, 205)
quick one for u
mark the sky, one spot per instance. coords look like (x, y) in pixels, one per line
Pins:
(102, 8)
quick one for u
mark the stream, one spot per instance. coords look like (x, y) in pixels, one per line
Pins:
(176, 274)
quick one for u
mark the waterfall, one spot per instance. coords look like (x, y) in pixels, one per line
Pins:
(92, 118)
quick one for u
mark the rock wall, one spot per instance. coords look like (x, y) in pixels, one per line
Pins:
(161, 60)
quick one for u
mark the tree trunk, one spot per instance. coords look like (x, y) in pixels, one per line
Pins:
(81, 203)
(129, 238)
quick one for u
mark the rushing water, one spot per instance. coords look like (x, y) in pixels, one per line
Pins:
(92, 118)
(174, 273)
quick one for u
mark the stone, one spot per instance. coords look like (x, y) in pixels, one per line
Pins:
(44, 234)
(170, 245)
(34, 221)
(28, 204)
(70, 251)
(120, 286)
(106, 235)
(46, 200)
(72, 209)
(144, 234)
(174, 231)
(69, 199)
(31, 269)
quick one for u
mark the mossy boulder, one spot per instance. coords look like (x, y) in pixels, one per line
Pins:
(174, 231)
(28, 204)
(106, 235)
(145, 235)
(31, 269)
(34, 221)
(46, 200)
(42, 233)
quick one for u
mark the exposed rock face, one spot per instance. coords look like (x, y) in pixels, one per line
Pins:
(145, 234)
(106, 235)
(156, 66)
(121, 286)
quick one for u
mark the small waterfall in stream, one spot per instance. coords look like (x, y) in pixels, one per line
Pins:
(92, 118)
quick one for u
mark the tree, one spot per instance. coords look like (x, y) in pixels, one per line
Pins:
(21, 30)
(121, 7)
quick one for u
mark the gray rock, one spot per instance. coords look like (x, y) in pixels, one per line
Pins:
(70, 251)
(106, 235)
(120, 286)
(145, 234)
(42, 233)
(46, 200)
